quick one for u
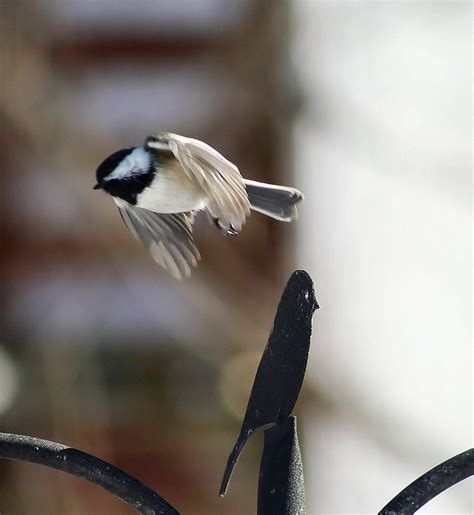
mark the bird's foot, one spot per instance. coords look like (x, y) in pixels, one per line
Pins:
(228, 231)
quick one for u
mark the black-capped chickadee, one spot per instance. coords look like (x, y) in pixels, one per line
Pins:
(160, 186)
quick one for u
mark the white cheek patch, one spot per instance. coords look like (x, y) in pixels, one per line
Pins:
(136, 162)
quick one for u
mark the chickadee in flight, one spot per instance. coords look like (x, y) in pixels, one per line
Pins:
(160, 186)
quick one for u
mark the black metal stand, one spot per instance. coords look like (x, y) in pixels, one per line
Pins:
(272, 399)
(281, 482)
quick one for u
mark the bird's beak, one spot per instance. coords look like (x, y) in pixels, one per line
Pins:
(98, 186)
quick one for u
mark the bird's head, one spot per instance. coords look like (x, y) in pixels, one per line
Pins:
(125, 173)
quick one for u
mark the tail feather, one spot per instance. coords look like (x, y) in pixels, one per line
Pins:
(278, 202)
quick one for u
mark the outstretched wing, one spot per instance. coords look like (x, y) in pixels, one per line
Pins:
(218, 178)
(169, 238)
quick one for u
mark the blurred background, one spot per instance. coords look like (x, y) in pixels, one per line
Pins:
(366, 107)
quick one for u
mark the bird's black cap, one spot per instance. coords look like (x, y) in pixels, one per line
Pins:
(109, 164)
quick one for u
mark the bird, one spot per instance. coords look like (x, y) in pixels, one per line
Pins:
(160, 186)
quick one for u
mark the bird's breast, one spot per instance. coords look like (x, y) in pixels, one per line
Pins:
(171, 191)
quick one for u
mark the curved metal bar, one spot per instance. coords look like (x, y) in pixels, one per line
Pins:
(88, 467)
(431, 484)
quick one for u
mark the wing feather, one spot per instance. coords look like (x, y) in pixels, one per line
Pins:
(168, 237)
(218, 178)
